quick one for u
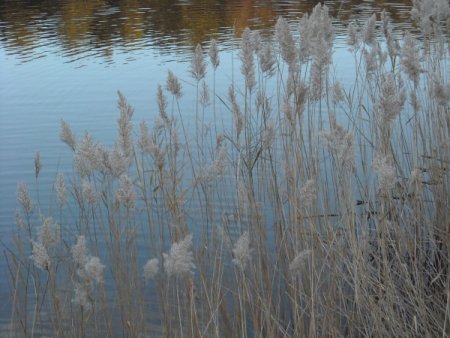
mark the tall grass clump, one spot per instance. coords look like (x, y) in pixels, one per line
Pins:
(321, 209)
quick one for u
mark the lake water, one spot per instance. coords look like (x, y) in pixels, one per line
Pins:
(66, 59)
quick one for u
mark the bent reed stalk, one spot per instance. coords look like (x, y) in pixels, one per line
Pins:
(321, 210)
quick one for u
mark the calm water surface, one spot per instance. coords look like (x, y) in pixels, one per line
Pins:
(65, 59)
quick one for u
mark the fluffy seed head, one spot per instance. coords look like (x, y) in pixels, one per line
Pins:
(125, 127)
(246, 55)
(299, 261)
(286, 43)
(242, 252)
(79, 251)
(392, 99)
(204, 94)
(117, 161)
(198, 66)
(266, 59)
(82, 298)
(173, 85)
(23, 197)
(385, 170)
(151, 269)
(88, 192)
(369, 31)
(67, 136)
(61, 191)
(179, 261)
(49, 233)
(352, 36)
(162, 105)
(411, 58)
(125, 195)
(94, 269)
(86, 156)
(340, 142)
(214, 54)
(237, 115)
(40, 256)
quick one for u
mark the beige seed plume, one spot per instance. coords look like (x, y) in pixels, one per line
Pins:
(179, 260)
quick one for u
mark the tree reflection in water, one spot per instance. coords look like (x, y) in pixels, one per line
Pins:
(76, 27)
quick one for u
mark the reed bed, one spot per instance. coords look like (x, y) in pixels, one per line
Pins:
(320, 208)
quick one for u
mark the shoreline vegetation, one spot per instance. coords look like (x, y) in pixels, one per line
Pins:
(321, 208)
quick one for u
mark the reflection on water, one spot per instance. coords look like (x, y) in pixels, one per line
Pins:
(78, 29)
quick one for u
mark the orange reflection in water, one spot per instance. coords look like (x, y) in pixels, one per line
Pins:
(81, 24)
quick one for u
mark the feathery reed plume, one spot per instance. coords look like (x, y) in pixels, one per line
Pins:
(341, 142)
(20, 222)
(267, 60)
(86, 156)
(79, 251)
(144, 137)
(198, 66)
(125, 127)
(321, 33)
(149, 146)
(37, 164)
(173, 85)
(49, 233)
(429, 13)
(104, 160)
(392, 45)
(237, 115)
(61, 191)
(263, 103)
(88, 192)
(180, 259)
(214, 54)
(151, 269)
(93, 270)
(369, 30)
(23, 197)
(215, 169)
(338, 93)
(411, 58)
(90, 268)
(256, 41)
(268, 136)
(246, 55)
(81, 297)
(392, 99)
(242, 252)
(352, 37)
(117, 161)
(125, 195)
(90, 271)
(440, 90)
(299, 261)
(386, 172)
(286, 43)
(40, 256)
(162, 105)
(204, 94)
(67, 136)
(316, 36)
